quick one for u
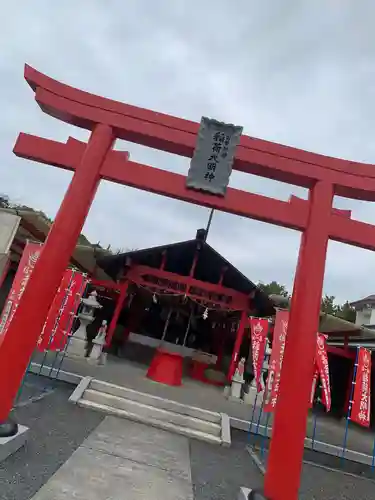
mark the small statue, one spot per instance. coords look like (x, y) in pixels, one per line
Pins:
(238, 380)
(240, 370)
(97, 354)
(102, 332)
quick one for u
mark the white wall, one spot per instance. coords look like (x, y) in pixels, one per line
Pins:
(8, 227)
(365, 316)
(372, 319)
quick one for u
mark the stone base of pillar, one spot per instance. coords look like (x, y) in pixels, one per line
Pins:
(252, 397)
(247, 494)
(236, 388)
(226, 391)
(98, 361)
(11, 444)
(76, 347)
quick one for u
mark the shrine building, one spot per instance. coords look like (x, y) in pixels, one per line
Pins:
(187, 298)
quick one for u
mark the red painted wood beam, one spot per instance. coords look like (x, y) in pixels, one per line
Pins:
(292, 214)
(299, 203)
(118, 169)
(343, 353)
(352, 232)
(178, 136)
(239, 300)
(110, 285)
(344, 229)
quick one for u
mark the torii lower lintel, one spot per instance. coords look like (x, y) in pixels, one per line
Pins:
(117, 168)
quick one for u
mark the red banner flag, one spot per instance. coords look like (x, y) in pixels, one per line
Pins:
(56, 324)
(259, 331)
(276, 361)
(69, 308)
(26, 265)
(313, 387)
(53, 315)
(362, 391)
(322, 365)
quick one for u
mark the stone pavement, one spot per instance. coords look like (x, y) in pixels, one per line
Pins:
(122, 459)
(128, 374)
(59, 428)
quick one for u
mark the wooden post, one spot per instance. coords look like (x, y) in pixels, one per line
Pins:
(18, 342)
(116, 313)
(237, 344)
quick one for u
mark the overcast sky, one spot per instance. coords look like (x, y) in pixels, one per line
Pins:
(301, 73)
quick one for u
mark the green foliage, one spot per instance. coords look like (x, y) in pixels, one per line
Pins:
(4, 201)
(273, 288)
(344, 311)
(329, 306)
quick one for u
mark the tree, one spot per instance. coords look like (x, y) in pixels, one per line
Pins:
(347, 312)
(273, 288)
(4, 201)
(328, 305)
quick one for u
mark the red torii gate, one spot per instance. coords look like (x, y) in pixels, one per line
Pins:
(108, 120)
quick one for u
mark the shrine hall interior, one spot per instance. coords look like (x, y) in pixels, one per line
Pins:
(181, 313)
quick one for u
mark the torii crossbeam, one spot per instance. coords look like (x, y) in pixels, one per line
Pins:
(96, 160)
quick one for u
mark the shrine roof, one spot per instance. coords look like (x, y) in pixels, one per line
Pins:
(35, 227)
(370, 299)
(179, 260)
(331, 325)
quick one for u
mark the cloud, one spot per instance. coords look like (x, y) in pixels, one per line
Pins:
(298, 73)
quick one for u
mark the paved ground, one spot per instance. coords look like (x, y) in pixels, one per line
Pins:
(218, 473)
(322, 484)
(59, 428)
(325, 483)
(123, 459)
(122, 372)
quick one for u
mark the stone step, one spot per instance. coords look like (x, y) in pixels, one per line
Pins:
(152, 412)
(161, 424)
(155, 401)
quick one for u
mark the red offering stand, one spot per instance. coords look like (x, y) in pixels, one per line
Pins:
(166, 368)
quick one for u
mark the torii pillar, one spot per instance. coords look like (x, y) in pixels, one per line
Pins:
(18, 342)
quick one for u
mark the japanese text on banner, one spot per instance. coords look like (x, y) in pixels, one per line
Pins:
(361, 407)
(69, 308)
(314, 385)
(276, 361)
(53, 316)
(63, 306)
(259, 331)
(323, 367)
(26, 265)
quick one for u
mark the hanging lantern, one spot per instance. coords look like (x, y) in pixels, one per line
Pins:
(205, 314)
